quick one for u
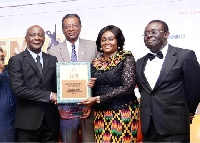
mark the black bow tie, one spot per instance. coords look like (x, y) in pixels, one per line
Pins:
(152, 56)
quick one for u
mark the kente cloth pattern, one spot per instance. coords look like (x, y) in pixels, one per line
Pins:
(116, 116)
(117, 126)
(109, 63)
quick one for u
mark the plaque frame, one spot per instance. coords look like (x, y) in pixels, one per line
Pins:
(72, 81)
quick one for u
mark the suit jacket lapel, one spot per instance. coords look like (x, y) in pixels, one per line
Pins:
(64, 52)
(82, 50)
(168, 63)
(146, 86)
(45, 65)
(28, 57)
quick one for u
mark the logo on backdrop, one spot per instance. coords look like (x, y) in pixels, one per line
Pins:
(178, 36)
(54, 42)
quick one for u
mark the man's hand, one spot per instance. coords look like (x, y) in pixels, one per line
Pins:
(86, 112)
(54, 97)
(191, 117)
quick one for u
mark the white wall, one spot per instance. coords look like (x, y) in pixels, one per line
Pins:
(182, 17)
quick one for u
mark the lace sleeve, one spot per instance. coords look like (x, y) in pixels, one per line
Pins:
(128, 81)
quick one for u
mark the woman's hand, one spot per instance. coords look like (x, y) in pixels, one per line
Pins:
(89, 101)
(91, 82)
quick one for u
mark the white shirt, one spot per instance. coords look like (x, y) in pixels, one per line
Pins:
(153, 68)
(69, 47)
(34, 55)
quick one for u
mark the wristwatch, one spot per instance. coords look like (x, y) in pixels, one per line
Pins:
(98, 99)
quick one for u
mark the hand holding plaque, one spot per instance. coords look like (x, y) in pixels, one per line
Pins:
(72, 87)
(72, 79)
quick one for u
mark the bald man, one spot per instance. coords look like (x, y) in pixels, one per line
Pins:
(33, 81)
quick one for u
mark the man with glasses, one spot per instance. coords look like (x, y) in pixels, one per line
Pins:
(168, 79)
(74, 49)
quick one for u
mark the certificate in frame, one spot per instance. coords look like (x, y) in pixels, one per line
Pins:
(72, 81)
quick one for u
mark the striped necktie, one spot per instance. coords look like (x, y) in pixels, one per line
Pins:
(73, 55)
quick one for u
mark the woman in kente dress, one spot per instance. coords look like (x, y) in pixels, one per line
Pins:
(115, 105)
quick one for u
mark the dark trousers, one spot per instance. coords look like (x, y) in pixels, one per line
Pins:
(153, 136)
(42, 134)
(8, 135)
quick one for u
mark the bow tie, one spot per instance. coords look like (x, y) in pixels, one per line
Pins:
(152, 56)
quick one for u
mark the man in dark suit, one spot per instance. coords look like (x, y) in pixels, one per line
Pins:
(169, 84)
(33, 81)
(74, 49)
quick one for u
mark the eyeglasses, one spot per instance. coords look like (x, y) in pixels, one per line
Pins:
(74, 26)
(153, 32)
(110, 39)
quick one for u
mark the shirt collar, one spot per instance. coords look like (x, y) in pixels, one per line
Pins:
(70, 44)
(163, 50)
(34, 55)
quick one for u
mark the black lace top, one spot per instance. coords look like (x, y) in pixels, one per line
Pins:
(115, 80)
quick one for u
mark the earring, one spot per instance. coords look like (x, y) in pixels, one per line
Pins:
(118, 48)
(101, 49)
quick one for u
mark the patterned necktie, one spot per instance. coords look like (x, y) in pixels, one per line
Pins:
(73, 55)
(39, 64)
(152, 56)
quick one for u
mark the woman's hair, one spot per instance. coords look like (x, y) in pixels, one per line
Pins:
(118, 35)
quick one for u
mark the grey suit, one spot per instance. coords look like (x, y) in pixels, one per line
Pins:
(86, 53)
(175, 95)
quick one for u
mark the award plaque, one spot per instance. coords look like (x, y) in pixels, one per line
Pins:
(72, 81)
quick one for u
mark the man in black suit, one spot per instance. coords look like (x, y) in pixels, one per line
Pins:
(33, 81)
(169, 84)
